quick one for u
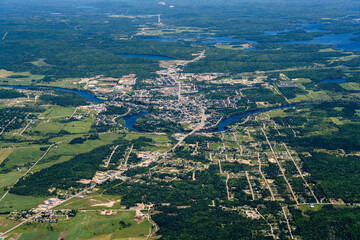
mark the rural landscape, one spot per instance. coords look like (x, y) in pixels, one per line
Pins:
(179, 120)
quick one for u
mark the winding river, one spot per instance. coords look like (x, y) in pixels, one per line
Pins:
(131, 119)
(227, 121)
(87, 95)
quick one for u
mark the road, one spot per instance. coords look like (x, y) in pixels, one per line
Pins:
(25, 127)
(271, 228)
(287, 222)
(251, 189)
(7, 125)
(279, 165)
(197, 128)
(227, 187)
(28, 170)
(299, 170)
(266, 182)
(127, 156)
(36, 215)
(108, 161)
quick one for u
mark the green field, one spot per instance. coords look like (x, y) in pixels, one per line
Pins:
(88, 225)
(21, 156)
(4, 153)
(15, 202)
(42, 236)
(93, 202)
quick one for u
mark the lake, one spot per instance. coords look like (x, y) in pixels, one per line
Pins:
(335, 80)
(156, 57)
(340, 41)
(307, 27)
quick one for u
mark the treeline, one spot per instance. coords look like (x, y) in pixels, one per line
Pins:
(208, 185)
(202, 222)
(149, 124)
(277, 56)
(337, 176)
(328, 223)
(62, 175)
(64, 99)
(114, 110)
(9, 93)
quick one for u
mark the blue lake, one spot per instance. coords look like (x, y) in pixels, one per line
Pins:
(160, 39)
(335, 80)
(340, 41)
(87, 95)
(156, 57)
(307, 27)
(130, 120)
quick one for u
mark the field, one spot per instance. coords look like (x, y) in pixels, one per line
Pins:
(4, 153)
(21, 156)
(89, 225)
(93, 202)
(42, 236)
(14, 202)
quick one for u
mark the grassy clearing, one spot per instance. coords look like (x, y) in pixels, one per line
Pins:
(4, 153)
(21, 156)
(91, 224)
(6, 223)
(65, 151)
(160, 142)
(57, 111)
(88, 202)
(48, 127)
(42, 236)
(351, 86)
(16, 202)
(10, 178)
(318, 95)
(82, 126)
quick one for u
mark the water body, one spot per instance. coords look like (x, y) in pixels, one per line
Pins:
(307, 27)
(340, 41)
(227, 121)
(86, 7)
(87, 95)
(156, 57)
(214, 40)
(160, 39)
(130, 120)
(204, 40)
(335, 80)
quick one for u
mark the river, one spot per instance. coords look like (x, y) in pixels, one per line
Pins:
(227, 121)
(87, 95)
